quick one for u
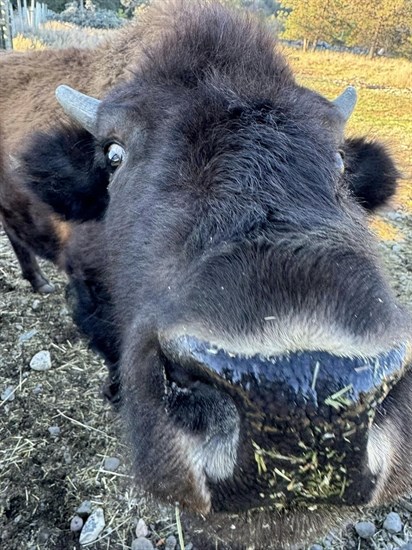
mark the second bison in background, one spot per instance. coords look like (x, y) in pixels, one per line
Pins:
(259, 356)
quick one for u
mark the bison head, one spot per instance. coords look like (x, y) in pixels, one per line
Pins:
(259, 344)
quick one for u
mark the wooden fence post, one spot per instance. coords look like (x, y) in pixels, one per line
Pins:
(19, 16)
(5, 25)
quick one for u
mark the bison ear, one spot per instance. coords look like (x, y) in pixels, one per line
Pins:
(64, 169)
(370, 172)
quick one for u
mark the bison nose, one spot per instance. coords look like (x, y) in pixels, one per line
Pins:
(303, 418)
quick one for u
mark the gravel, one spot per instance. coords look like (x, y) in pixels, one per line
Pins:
(93, 527)
(26, 336)
(85, 508)
(76, 524)
(142, 544)
(393, 523)
(365, 529)
(111, 463)
(141, 529)
(41, 361)
(171, 543)
(7, 394)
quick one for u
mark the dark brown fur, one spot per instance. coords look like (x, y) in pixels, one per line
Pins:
(227, 209)
(31, 225)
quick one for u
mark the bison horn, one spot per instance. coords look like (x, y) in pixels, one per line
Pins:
(346, 102)
(82, 108)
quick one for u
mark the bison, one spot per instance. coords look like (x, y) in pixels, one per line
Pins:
(257, 354)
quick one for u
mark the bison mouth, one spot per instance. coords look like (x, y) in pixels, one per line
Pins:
(280, 431)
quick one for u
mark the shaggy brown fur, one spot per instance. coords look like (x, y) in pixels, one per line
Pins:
(28, 81)
(27, 104)
(31, 225)
(229, 207)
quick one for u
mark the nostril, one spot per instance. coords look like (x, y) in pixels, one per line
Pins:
(195, 403)
(177, 374)
(207, 415)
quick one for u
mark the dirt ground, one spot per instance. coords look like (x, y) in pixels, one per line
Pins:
(56, 430)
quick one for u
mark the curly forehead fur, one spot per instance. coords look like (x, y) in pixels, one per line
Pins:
(182, 39)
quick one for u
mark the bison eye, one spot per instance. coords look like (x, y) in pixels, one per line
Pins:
(340, 166)
(114, 155)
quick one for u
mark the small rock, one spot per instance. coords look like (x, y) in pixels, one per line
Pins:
(85, 508)
(41, 361)
(27, 335)
(35, 304)
(407, 546)
(189, 546)
(111, 463)
(67, 457)
(142, 544)
(8, 394)
(38, 389)
(93, 527)
(365, 529)
(171, 543)
(141, 529)
(316, 547)
(393, 523)
(76, 524)
(54, 431)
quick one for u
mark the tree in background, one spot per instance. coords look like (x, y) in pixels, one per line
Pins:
(132, 7)
(372, 24)
(313, 20)
(378, 23)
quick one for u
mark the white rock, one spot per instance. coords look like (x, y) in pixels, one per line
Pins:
(111, 463)
(93, 527)
(85, 508)
(393, 523)
(76, 524)
(41, 361)
(142, 544)
(141, 528)
(8, 394)
(365, 529)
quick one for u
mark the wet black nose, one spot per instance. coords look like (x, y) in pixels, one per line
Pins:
(307, 415)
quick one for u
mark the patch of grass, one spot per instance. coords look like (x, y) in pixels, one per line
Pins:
(57, 34)
(381, 72)
(385, 230)
(23, 43)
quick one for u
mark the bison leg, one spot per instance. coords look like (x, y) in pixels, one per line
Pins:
(30, 268)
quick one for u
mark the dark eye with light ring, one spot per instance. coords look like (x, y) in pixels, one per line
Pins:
(114, 155)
